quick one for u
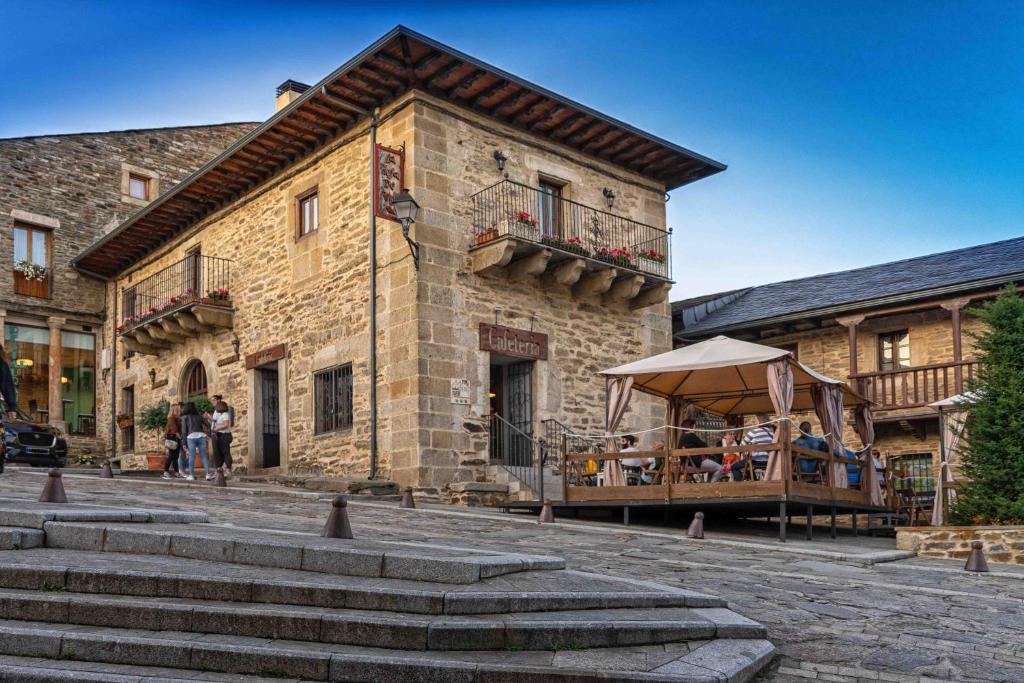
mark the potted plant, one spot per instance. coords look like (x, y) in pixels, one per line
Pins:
(220, 296)
(619, 256)
(484, 235)
(575, 246)
(648, 257)
(124, 421)
(154, 418)
(523, 225)
(29, 270)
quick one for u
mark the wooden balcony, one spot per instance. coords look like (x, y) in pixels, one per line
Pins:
(914, 387)
(180, 302)
(523, 233)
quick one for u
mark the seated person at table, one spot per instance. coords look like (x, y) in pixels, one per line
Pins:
(631, 466)
(652, 466)
(852, 468)
(757, 435)
(728, 459)
(812, 443)
(704, 463)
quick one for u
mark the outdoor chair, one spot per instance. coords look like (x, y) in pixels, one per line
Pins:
(907, 504)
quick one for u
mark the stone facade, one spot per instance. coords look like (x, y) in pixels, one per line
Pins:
(1003, 544)
(311, 295)
(74, 189)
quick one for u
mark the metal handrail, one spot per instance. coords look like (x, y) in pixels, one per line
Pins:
(195, 278)
(508, 208)
(518, 453)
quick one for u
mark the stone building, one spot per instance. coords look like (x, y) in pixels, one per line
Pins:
(58, 194)
(539, 257)
(898, 332)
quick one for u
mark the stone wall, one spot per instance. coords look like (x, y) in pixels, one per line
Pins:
(312, 294)
(452, 159)
(75, 186)
(1003, 545)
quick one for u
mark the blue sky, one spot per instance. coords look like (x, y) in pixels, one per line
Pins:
(855, 133)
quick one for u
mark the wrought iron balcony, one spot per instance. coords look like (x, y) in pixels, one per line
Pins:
(185, 299)
(914, 387)
(532, 232)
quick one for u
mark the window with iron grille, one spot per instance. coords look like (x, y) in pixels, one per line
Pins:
(332, 399)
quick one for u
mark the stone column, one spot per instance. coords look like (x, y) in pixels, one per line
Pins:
(56, 390)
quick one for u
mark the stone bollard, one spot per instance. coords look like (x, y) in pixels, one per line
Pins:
(976, 560)
(337, 523)
(407, 501)
(53, 489)
(547, 515)
(106, 472)
(219, 480)
(696, 529)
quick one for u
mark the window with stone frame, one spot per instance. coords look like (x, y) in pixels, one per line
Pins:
(332, 399)
(307, 206)
(138, 186)
(32, 260)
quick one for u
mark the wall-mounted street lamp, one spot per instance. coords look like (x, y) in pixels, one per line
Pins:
(501, 159)
(152, 377)
(406, 210)
(609, 196)
(236, 344)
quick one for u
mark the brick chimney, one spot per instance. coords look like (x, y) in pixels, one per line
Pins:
(288, 91)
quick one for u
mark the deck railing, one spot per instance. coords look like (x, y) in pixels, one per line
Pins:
(193, 279)
(527, 213)
(914, 387)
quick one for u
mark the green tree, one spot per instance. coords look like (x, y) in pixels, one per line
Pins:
(992, 454)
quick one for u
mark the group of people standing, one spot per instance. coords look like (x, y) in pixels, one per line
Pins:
(190, 434)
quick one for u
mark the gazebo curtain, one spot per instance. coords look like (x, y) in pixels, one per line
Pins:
(828, 406)
(864, 423)
(952, 430)
(780, 391)
(618, 391)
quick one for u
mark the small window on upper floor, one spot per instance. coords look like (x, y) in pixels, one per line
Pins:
(894, 350)
(308, 219)
(138, 187)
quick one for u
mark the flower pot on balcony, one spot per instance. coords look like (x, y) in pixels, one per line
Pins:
(215, 302)
(125, 422)
(487, 236)
(650, 265)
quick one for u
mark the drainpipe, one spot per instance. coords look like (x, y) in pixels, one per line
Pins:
(373, 301)
(113, 376)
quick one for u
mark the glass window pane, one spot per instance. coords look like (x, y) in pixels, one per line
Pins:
(39, 248)
(78, 381)
(20, 244)
(316, 212)
(137, 187)
(29, 351)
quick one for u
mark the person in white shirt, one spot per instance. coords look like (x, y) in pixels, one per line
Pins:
(222, 438)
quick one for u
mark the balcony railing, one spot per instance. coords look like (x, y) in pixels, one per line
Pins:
(526, 213)
(914, 387)
(193, 280)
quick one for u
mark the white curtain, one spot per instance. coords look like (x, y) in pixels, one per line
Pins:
(952, 431)
(828, 406)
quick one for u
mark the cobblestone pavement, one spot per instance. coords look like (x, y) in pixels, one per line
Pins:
(831, 620)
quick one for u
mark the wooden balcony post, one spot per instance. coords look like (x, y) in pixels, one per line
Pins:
(954, 307)
(851, 323)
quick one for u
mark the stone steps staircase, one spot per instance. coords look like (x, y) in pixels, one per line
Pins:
(128, 595)
(519, 491)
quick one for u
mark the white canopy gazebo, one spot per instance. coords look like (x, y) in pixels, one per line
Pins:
(729, 377)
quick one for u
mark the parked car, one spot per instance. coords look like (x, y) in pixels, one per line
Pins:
(33, 444)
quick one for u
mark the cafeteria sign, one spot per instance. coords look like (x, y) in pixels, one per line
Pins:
(509, 341)
(388, 176)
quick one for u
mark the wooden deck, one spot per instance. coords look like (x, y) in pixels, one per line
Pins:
(677, 485)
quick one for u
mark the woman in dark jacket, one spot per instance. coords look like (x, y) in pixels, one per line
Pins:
(7, 388)
(703, 463)
(193, 430)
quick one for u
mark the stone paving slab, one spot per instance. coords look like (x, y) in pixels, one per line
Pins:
(308, 661)
(37, 670)
(33, 514)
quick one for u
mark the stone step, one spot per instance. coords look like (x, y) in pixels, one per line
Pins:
(735, 661)
(521, 630)
(396, 560)
(33, 515)
(39, 670)
(15, 538)
(46, 569)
